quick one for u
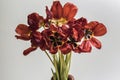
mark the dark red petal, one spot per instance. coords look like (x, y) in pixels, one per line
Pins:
(65, 30)
(69, 11)
(22, 29)
(49, 13)
(57, 9)
(85, 46)
(77, 49)
(53, 28)
(43, 45)
(36, 39)
(35, 20)
(26, 38)
(95, 42)
(81, 21)
(91, 25)
(53, 49)
(61, 32)
(99, 30)
(75, 34)
(49, 16)
(37, 35)
(81, 35)
(27, 51)
(65, 48)
(46, 33)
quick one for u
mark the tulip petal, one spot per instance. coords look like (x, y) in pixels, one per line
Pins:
(43, 45)
(72, 13)
(95, 42)
(77, 49)
(75, 34)
(49, 13)
(22, 29)
(81, 21)
(53, 28)
(99, 30)
(91, 25)
(37, 35)
(66, 48)
(35, 20)
(57, 9)
(53, 49)
(23, 37)
(30, 49)
(69, 11)
(85, 46)
(66, 10)
(36, 38)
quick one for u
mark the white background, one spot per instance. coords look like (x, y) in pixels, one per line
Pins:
(101, 64)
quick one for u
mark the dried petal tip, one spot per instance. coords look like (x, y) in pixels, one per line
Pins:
(27, 51)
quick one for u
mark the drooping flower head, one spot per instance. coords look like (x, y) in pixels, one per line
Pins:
(91, 30)
(59, 14)
(29, 32)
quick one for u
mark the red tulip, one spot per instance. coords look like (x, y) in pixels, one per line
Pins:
(92, 29)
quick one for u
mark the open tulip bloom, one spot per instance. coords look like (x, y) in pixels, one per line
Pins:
(60, 34)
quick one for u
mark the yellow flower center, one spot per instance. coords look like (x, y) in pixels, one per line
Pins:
(59, 22)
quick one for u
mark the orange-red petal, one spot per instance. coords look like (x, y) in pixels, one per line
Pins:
(85, 46)
(57, 9)
(91, 25)
(69, 11)
(99, 30)
(95, 42)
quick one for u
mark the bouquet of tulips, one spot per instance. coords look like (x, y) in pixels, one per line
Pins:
(60, 34)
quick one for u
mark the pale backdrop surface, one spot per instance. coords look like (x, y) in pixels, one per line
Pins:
(101, 64)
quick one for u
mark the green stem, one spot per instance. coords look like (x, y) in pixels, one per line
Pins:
(70, 54)
(68, 62)
(55, 61)
(49, 57)
(61, 64)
